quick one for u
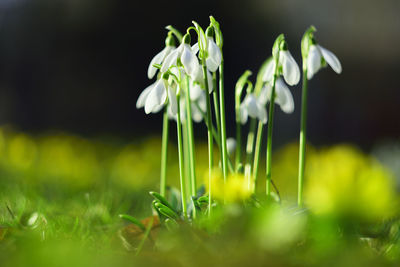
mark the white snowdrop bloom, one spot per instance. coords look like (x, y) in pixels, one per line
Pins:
(231, 145)
(155, 96)
(283, 96)
(187, 57)
(251, 106)
(214, 56)
(158, 59)
(290, 69)
(316, 55)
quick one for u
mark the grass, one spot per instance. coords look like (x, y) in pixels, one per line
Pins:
(53, 221)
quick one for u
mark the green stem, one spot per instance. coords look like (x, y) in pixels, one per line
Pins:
(186, 159)
(238, 144)
(215, 135)
(180, 157)
(209, 135)
(257, 153)
(216, 111)
(190, 141)
(269, 136)
(164, 153)
(223, 123)
(302, 149)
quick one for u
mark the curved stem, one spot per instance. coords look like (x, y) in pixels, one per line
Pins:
(164, 153)
(302, 148)
(180, 157)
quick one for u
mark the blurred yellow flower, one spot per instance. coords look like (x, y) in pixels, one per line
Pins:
(234, 190)
(344, 182)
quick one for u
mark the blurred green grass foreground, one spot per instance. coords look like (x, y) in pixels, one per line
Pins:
(60, 197)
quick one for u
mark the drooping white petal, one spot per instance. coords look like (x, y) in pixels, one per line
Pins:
(214, 55)
(331, 59)
(143, 96)
(172, 100)
(170, 60)
(231, 145)
(158, 59)
(195, 91)
(157, 108)
(265, 94)
(261, 113)
(195, 48)
(189, 61)
(269, 71)
(291, 71)
(243, 113)
(284, 97)
(313, 61)
(156, 97)
(251, 105)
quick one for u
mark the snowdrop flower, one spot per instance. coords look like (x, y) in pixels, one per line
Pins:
(214, 55)
(160, 57)
(186, 56)
(317, 57)
(155, 96)
(252, 106)
(287, 66)
(283, 96)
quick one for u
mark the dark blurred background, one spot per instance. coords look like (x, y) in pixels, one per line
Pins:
(79, 65)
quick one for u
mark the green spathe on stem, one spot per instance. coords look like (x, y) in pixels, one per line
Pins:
(240, 84)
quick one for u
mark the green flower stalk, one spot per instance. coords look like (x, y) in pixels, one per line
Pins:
(164, 153)
(282, 63)
(240, 84)
(314, 58)
(219, 42)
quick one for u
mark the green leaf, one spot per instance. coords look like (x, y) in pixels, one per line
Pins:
(133, 220)
(166, 211)
(162, 200)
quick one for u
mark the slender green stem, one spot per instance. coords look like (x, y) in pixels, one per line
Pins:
(249, 149)
(215, 135)
(303, 130)
(190, 141)
(164, 153)
(238, 143)
(180, 157)
(209, 135)
(269, 136)
(216, 111)
(256, 161)
(186, 159)
(223, 123)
